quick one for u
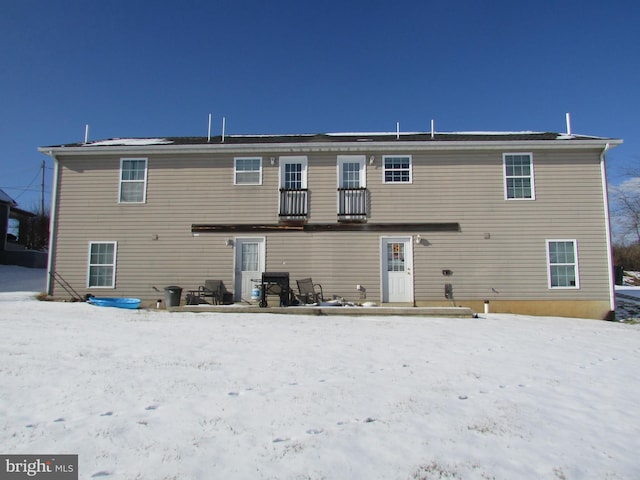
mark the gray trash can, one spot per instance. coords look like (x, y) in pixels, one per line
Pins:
(619, 274)
(172, 295)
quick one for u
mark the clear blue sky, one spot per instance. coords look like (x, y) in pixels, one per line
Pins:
(158, 68)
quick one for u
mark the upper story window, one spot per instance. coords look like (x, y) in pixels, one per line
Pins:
(102, 264)
(397, 168)
(248, 171)
(293, 173)
(133, 180)
(351, 171)
(518, 176)
(294, 202)
(352, 194)
(562, 260)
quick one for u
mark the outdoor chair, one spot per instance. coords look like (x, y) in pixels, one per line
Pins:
(309, 292)
(217, 291)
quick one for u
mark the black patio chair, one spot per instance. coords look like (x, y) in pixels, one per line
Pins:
(309, 292)
(217, 291)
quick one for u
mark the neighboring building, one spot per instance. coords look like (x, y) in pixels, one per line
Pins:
(13, 250)
(517, 219)
(6, 204)
(9, 211)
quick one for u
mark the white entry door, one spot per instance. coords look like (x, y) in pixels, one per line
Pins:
(249, 265)
(397, 271)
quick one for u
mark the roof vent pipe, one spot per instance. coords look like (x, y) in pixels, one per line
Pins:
(433, 128)
(86, 133)
(224, 120)
(397, 130)
(209, 130)
(568, 118)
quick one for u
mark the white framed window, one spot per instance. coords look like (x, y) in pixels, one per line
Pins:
(518, 176)
(562, 263)
(352, 171)
(352, 183)
(247, 171)
(101, 272)
(293, 173)
(133, 180)
(294, 201)
(397, 169)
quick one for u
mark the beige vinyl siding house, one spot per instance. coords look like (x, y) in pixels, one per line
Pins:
(516, 219)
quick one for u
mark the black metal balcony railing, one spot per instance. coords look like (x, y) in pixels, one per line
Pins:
(293, 202)
(352, 203)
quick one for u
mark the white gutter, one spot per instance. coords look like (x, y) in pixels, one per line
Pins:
(52, 219)
(605, 195)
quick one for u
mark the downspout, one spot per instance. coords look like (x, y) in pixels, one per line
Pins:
(605, 195)
(52, 221)
(413, 264)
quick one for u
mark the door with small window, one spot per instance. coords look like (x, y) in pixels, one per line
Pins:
(249, 265)
(352, 192)
(397, 271)
(293, 187)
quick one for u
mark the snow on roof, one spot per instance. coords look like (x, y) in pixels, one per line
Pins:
(573, 136)
(462, 132)
(488, 132)
(130, 142)
(337, 137)
(383, 134)
(269, 135)
(5, 198)
(367, 134)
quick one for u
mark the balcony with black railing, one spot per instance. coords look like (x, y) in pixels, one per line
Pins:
(353, 204)
(294, 203)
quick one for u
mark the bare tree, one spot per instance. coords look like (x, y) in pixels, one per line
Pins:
(34, 232)
(625, 207)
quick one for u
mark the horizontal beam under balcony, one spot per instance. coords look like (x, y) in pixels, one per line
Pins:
(197, 228)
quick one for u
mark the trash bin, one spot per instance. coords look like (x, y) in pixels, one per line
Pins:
(172, 295)
(619, 274)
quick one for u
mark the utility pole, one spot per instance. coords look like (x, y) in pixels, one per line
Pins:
(42, 191)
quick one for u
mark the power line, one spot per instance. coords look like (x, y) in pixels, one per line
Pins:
(28, 186)
(19, 187)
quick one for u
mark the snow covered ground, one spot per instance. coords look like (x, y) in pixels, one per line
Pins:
(628, 298)
(158, 395)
